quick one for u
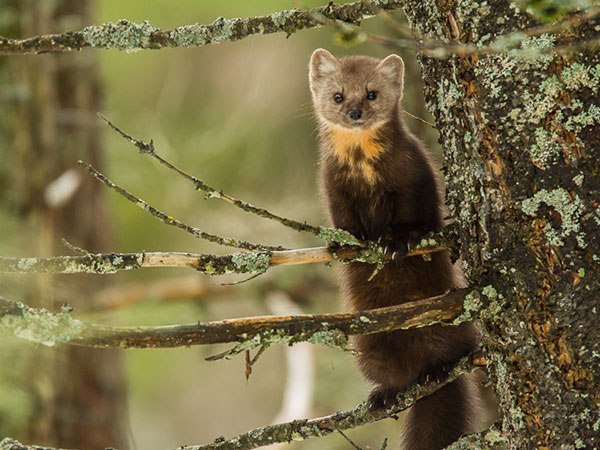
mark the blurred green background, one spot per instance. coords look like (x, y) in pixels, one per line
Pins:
(238, 116)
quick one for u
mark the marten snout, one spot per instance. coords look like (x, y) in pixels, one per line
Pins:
(355, 114)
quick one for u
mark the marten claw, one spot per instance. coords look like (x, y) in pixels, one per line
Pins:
(381, 398)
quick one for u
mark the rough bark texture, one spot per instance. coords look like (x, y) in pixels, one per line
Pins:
(521, 161)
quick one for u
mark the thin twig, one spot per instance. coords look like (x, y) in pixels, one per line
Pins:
(74, 248)
(125, 35)
(168, 220)
(419, 119)
(352, 443)
(44, 327)
(321, 232)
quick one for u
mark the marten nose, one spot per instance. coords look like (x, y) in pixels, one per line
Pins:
(355, 114)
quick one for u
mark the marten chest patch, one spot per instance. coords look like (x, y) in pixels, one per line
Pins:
(358, 150)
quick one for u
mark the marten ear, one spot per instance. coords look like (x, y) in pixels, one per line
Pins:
(392, 68)
(321, 63)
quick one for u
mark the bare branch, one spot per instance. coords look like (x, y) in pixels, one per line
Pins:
(41, 326)
(303, 429)
(168, 220)
(125, 35)
(338, 236)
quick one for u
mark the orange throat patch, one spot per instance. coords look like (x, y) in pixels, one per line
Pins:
(344, 144)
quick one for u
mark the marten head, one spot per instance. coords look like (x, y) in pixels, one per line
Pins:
(355, 92)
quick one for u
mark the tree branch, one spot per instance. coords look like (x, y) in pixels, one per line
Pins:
(245, 262)
(168, 220)
(306, 428)
(44, 327)
(335, 235)
(125, 35)
(299, 430)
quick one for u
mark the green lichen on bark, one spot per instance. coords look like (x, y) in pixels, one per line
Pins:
(491, 439)
(520, 143)
(123, 35)
(251, 262)
(483, 304)
(338, 236)
(39, 325)
(570, 211)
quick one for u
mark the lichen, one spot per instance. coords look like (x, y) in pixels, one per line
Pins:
(471, 306)
(331, 338)
(589, 117)
(251, 262)
(546, 150)
(41, 326)
(124, 35)
(570, 212)
(577, 75)
(448, 95)
(534, 52)
(337, 236)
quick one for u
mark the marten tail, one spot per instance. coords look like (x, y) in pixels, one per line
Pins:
(438, 420)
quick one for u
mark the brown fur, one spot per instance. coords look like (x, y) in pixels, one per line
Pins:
(379, 183)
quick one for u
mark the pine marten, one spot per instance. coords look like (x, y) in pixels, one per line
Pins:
(380, 185)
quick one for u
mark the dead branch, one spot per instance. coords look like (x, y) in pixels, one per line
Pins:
(44, 327)
(146, 148)
(168, 220)
(246, 262)
(125, 35)
(307, 428)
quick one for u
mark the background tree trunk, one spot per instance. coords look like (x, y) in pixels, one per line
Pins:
(521, 161)
(79, 394)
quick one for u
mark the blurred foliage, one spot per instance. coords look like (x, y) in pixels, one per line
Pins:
(237, 115)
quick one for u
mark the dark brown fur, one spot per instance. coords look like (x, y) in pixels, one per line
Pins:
(397, 197)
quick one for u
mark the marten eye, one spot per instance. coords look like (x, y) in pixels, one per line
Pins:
(371, 95)
(338, 98)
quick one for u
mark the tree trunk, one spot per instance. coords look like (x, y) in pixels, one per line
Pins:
(520, 132)
(78, 394)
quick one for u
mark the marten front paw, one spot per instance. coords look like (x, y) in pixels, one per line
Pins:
(398, 245)
(381, 397)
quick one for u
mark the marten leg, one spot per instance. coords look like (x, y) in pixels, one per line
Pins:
(437, 420)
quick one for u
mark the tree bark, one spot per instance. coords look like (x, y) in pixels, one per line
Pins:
(521, 161)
